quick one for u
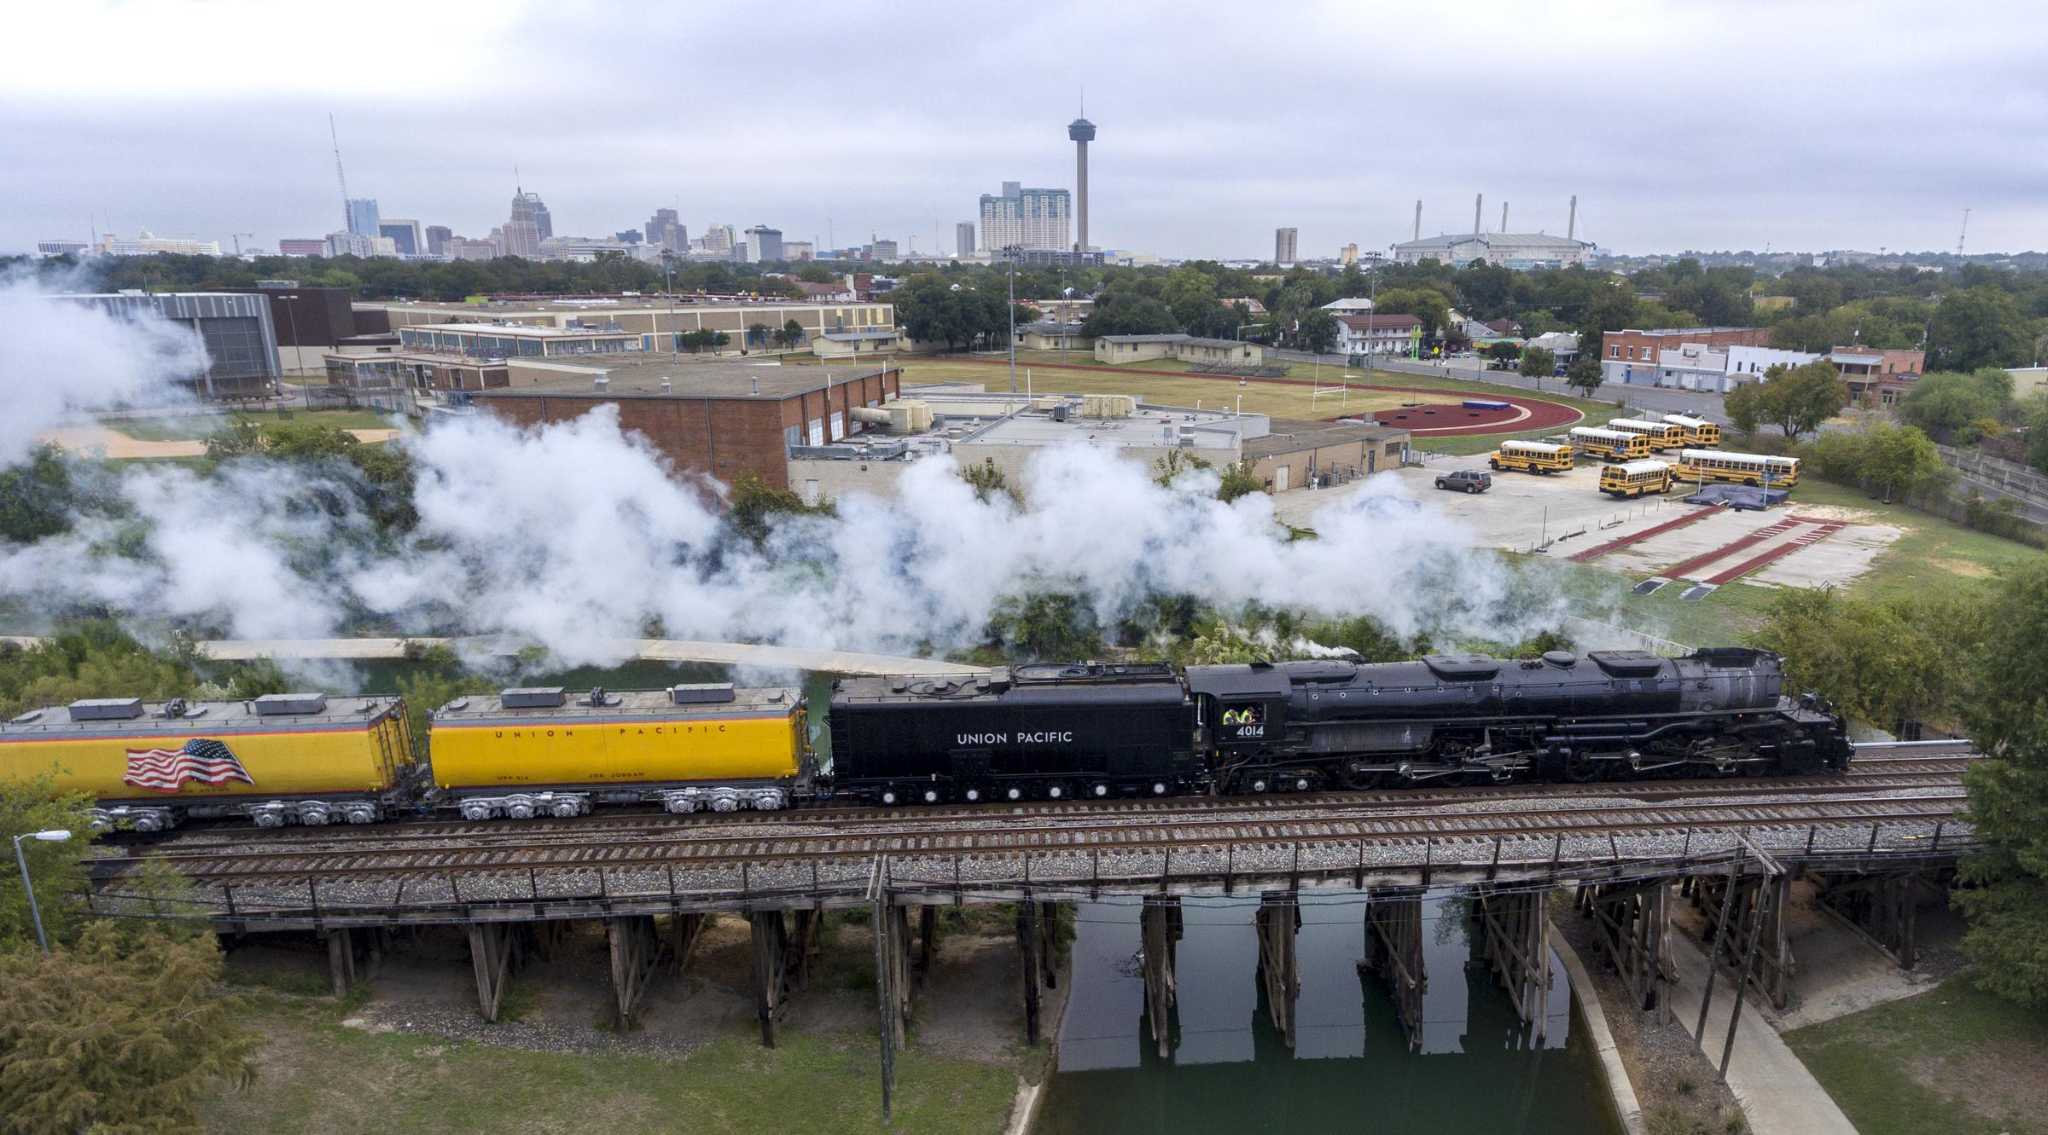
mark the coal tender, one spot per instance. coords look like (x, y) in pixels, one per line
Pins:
(1040, 732)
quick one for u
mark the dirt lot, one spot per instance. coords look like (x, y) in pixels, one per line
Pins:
(101, 441)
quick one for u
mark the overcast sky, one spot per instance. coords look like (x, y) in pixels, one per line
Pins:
(1681, 125)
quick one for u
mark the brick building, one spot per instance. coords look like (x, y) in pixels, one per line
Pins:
(1877, 375)
(719, 417)
(1643, 346)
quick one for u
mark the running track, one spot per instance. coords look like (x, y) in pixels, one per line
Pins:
(1523, 415)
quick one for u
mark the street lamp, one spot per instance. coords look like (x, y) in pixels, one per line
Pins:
(55, 835)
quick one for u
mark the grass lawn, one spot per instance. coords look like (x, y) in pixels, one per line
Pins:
(199, 427)
(1954, 1059)
(318, 1076)
(1932, 550)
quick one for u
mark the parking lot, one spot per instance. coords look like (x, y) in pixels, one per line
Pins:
(1565, 515)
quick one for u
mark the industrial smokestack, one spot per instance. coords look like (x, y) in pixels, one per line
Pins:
(1503, 216)
(1418, 220)
(1571, 227)
(1478, 203)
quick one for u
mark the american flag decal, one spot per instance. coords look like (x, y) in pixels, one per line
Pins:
(202, 759)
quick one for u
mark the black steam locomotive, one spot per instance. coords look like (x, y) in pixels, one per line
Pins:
(1096, 731)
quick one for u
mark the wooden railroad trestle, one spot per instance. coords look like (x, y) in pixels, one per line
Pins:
(1279, 922)
(1760, 899)
(1393, 951)
(1632, 924)
(1159, 934)
(1515, 929)
(1881, 908)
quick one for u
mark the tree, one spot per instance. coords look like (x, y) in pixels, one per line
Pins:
(1795, 399)
(1168, 468)
(1901, 459)
(1538, 362)
(1426, 304)
(987, 480)
(1889, 662)
(125, 1031)
(1953, 407)
(1584, 374)
(1318, 332)
(1745, 407)
(1124, 313)
(1977, 327)
(2005, 896)
(35, 806)
(1503, 352)
(1238, 480)
(790, 335)
(753, 504)
(1047, 627)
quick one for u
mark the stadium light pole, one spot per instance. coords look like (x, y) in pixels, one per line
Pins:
(1010, 254)
(35, 913)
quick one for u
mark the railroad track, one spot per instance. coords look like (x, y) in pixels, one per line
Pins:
(1175, 833)
(1866, 774)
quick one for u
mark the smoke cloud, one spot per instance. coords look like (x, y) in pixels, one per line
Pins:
(577, 535)
(59, 358)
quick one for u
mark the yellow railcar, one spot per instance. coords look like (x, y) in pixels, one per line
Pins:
(278, 759)
(1634, 478)
(530, 752)
(1532, 457)
(1612, 445)
(1699, 432)
(1760, 469)
(1662, 435)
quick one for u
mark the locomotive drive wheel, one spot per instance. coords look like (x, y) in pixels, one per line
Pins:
(932, 794)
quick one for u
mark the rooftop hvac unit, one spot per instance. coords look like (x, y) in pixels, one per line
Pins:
(106, 709)
(1059, 412)
(702, 693)
(602, 383)
(532, 697)
(279, 705)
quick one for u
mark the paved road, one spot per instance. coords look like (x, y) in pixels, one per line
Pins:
(644, 649)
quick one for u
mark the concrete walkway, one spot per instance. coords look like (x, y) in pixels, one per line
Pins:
(1778, 1095)
(643, 649)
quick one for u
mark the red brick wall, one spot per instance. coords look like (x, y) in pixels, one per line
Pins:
(724, 437)
(1646, 344)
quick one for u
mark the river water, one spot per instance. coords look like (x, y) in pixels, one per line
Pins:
(1479, 1068)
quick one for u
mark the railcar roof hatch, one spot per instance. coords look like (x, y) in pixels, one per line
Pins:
(278, 705)
(1462, 667)
(533, 697)
(702, 693)
(106, 709)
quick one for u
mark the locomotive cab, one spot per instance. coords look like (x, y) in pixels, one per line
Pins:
(1239, 706)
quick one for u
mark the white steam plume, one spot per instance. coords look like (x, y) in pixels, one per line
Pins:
(576, 535)
(59, 358)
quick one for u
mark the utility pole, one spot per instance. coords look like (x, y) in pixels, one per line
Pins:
(1010, 254)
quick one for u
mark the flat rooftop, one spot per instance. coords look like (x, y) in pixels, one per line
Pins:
(521, 331)
(639, 374)
(1148, 428)
(1290, 436)
(598, 305)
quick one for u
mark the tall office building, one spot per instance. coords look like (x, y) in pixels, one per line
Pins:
(406, 236)
(522, 234)
(721, 238)
(764, 245)
(963, 238)
(437, 239)
(1082, 132)
(1283, 246)
(1026, 217)
(665, 230)
(543, 221)
(362, 216)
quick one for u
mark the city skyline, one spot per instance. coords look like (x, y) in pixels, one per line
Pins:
(1692, 157)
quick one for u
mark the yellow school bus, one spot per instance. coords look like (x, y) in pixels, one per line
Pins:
(1634, 478)
(1662, 435)
(1699, 432)
(1738, 468)
(1612, 445)
(1532, 457)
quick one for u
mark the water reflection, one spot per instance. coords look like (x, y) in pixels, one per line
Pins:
(1352, 1067)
